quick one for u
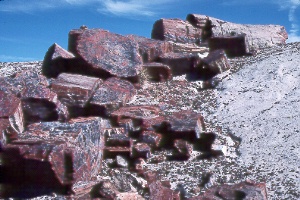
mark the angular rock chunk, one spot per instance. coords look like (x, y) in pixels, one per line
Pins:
(180, 63)
(83, 137)
(161, 190)
(150, 49)
(104, 51)
(141, 150)
(11, 108)
(55, 61)
(244, 190)
(155, 72)
(142, 116)
(75, 90)
(257, 36)
(113, 92)
(151, 138)
(7, 132)
(104, 189)
(215, 63)
(176, 30)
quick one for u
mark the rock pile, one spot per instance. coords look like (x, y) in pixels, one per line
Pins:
(94, 108)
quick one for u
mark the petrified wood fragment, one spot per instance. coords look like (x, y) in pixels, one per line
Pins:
(75, 90)
(155, 72)
(10, 108)
(150, 49)
(55, 61)
(161, 190)
(215, 63)
(180, 63)
(84, 137)
(105, 51)
(175, 30)
(114, 92)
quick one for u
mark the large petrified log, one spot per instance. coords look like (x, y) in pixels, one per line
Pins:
(257, 36)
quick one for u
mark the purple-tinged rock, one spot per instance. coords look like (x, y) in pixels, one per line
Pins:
(105, 51)
(180, 63)
(114, 92)
(75, 90)
(155, 72)
(150, 49)
(175, 30)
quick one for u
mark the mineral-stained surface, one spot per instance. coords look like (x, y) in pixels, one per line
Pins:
(201, 111)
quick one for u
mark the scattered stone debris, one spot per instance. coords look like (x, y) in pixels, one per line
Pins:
(118, 104)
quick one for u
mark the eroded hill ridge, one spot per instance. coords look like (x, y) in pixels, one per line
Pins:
(113, 116)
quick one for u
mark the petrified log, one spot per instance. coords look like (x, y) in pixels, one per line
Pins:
(75, 90)
(175, 30)
(104, 51)
(257, 36)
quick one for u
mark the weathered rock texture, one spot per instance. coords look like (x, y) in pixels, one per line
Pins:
(126, 117)
(235, 39)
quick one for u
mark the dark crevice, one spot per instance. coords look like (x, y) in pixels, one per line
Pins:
(87, 111)
(39, 110)
(239, 195)
(205, 179)
(28, 178)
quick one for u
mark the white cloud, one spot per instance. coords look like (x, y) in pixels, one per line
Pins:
(116, 7)
(291, 6)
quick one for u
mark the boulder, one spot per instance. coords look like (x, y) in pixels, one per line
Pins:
(106, 52)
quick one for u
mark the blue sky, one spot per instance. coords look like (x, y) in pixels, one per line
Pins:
(30, 27)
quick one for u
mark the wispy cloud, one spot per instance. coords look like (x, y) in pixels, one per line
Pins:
(291, 6)
(115, 7)
(8, 58)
